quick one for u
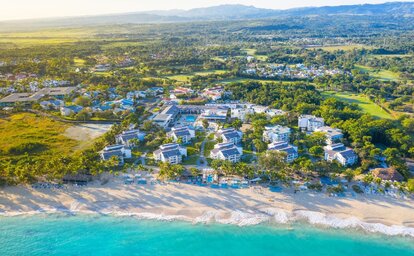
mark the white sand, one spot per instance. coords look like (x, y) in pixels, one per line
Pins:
(202, 204)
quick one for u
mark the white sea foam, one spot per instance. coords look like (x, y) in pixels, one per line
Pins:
(247, 218)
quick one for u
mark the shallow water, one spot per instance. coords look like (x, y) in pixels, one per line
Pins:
(88, 235)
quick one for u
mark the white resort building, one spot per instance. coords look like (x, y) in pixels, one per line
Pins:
(126, 138)
(171, 153)
(345, 156)
(276, 133)
(290, 150)
(227, 151)
(333, 135)
(310, 123)
(229, 135)
(121, 152)
(184, 133)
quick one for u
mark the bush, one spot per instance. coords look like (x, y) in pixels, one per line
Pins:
(335, 189)
(410, 185)
(28, 147)
(191, 151)
(315, 186)
(357, 189)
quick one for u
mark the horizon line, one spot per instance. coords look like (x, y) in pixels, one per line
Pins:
(189, 9)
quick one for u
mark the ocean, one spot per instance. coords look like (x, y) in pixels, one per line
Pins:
(103, 235)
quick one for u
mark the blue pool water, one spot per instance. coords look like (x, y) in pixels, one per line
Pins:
(190, 119)
(86, 235)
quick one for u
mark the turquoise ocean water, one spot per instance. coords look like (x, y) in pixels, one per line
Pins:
(87, 235)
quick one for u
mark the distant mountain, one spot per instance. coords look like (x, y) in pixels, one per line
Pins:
(221, 12)
(225, 12)
(215, 13)
(391, 8)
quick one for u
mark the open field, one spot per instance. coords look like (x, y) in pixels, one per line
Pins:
(79, 62)
(252, 52)
(28, 133)
(332, 48)
(384, 56)
(363, 102)
(121, 44)
(9, 43)
(187, 77)
(242, 79)
(379, 73)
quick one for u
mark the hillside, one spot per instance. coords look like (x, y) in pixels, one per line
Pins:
(214, 13)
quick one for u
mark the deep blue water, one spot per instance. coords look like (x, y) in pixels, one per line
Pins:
(87, 235)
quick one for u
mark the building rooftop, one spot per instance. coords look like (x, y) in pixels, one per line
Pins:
(347, 153)
(277, 129)
(162, 118)
(283, 146)
(20, 97)
(329, 131)
(55, 91)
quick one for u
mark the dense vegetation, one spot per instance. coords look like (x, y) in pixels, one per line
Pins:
(374, 54)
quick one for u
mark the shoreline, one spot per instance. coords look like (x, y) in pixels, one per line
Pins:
(204, 205)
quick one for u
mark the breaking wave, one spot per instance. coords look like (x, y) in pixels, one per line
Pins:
(248, 218)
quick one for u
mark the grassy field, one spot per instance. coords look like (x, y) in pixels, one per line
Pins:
(363, 102)
(242, 79)
(79, 62)
(384, 56)
(121, 45)
(187, 77)
(332, 48)
(252, 52)
(43, 136)
(379, 74)
(10, 43)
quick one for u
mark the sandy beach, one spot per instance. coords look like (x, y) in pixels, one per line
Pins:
(250, 206)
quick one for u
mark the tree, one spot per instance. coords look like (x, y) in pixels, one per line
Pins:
(316, 151)
(410, 185)
(147, 125)
(205, 123)
(259, 145)
(315, 139)
(83, 101)
(273, 163)
(83, 115)
(408, 124)
(236, 124)
(169, 171)
(194, 171)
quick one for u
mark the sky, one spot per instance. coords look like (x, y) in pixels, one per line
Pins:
(26, 9)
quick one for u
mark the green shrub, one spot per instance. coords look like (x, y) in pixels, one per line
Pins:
(27, 147)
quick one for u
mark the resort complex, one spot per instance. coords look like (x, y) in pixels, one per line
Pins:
(170, 132)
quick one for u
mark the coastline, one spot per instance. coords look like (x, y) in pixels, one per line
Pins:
(191, 203)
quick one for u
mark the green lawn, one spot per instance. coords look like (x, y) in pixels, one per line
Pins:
(208, 147)
(252, 52)
(79, 62)
(28, 42)
(187, 77)
(363, 102)
(380, 74)
(218, 59)
(113, 45)
(191, 160)
(342, 47)
(242, 79)
(385, 56)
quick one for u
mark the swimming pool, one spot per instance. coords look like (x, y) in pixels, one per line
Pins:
(190, 118)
